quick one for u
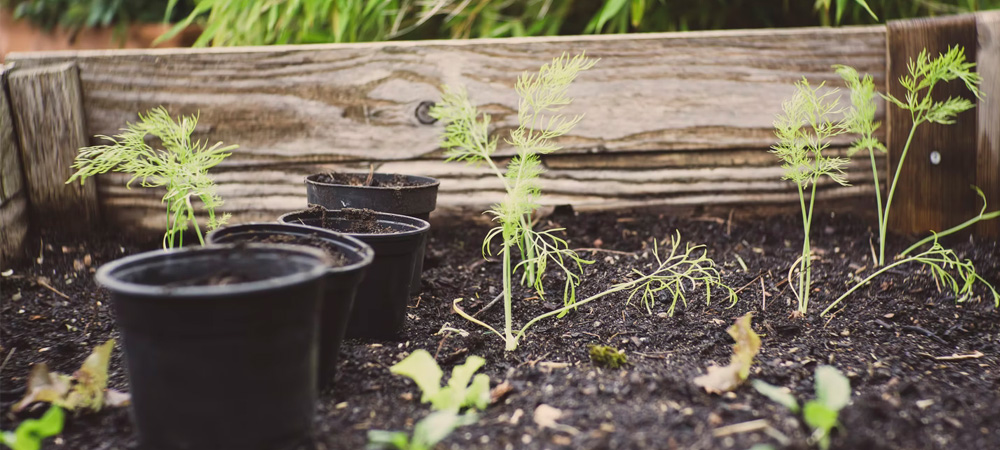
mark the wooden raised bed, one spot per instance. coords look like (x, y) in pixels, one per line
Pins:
(672, 119)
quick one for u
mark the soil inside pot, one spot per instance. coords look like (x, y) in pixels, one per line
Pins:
(351, 220)
(221, 278)
(353, 179)
(337, 257)
(924, 370)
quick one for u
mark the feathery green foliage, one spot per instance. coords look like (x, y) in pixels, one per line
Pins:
(924, 74)
(948, 270)
(983, 215)
(466, 138)
(682, 270)
(804, 131)
(181, 167)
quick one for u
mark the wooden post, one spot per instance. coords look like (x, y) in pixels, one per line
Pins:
(13, 200)
(933, 192)
(988, 111)
(48, 111)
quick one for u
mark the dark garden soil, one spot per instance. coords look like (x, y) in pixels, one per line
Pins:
(354, 179)
(925, 371)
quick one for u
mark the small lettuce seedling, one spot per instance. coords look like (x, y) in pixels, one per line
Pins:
(459, 393)
(833, 393)
(181, 167)
(30, 433)
(464, 390)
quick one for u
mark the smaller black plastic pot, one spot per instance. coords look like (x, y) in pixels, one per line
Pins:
(351, 258)
(408, 195)
(380, 304)
(220, 344)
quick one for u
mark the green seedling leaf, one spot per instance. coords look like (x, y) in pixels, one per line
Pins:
(31, 432)
(86, 388)
(779, 395)
(420, 367)
(437, 426)
(726, 378)
(426, 433)
(833, 389)
(821, 419)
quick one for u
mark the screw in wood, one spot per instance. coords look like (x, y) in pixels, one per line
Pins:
(423, 112)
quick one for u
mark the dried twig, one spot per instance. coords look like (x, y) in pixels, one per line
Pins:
(46, 285)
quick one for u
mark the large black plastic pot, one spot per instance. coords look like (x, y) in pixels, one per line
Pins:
(352, 258)
(409, 195)
(380, 304)
(220, 344)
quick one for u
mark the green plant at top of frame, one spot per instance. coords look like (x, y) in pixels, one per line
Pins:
(181, 167)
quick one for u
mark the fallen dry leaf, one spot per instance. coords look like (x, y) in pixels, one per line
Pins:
(721, 379)
(86, 388)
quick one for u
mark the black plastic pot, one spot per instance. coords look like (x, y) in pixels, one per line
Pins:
(342, 279)
(409, 195)
(223, 364)
(380, 304)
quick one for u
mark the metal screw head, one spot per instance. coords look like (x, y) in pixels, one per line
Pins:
(423, 112)
(935, 158)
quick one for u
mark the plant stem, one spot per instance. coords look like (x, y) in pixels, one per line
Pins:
(808, 259)
(878, 196)
(865, 281)
(616, 288)
(952, 230)
(892, 189)
(507, 298)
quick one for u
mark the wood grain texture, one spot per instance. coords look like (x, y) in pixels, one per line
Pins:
(13, 206)
(988, 112)
(931, 196)
(48, 110)
(671, 118)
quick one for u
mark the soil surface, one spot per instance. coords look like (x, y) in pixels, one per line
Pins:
(356, 179)
(925, 370)
(337, 257)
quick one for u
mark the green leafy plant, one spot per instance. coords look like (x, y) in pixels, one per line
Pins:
(833, 393)
(30, 433)
(942, 263)
(75, 15)
(607, 356)
(181, 166)
(663, 273)
(721, 379)
(277, 22)
(983, 215)
(426, 433)
(462, 391)
(804, 131)
(84, 389)
(924, 74)
(466, 138)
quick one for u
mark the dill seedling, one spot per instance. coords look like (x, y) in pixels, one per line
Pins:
(804, 131)
(181, 167)
(466, 137)
(924, 74)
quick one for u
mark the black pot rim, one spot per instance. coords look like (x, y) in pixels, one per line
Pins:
(428, 181)
(365, 250)
(106, 274)
(419, 225)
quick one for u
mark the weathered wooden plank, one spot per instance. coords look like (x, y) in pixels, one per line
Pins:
(988, 112)
(13, 206)
(929, 195)
(263, 193)
(342, 103)
(48, 111)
